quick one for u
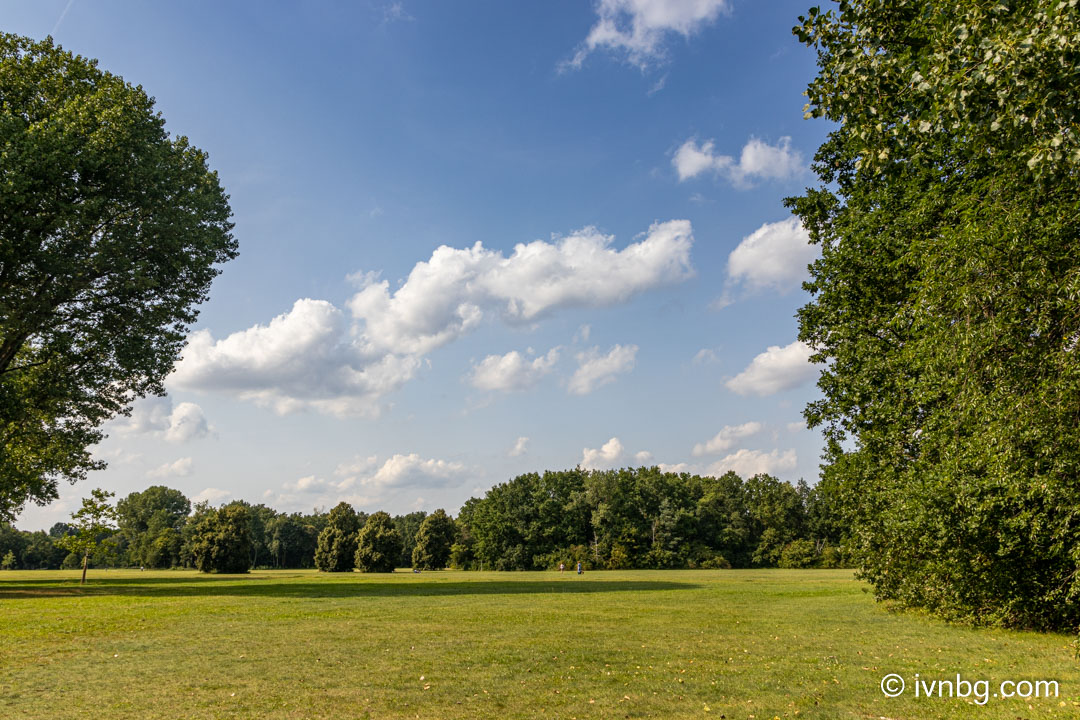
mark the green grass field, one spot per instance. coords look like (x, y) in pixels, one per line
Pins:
(662, 644)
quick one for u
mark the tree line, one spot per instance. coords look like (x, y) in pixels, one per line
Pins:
(629, 518)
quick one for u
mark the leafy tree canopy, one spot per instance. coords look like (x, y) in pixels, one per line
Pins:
(111, 230)
(379, 544)
(946, 299)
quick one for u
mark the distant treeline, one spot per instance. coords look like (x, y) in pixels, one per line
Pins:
(630, 518)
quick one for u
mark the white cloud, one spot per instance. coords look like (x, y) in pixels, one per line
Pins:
(728, 436)
(775, 255)
(156, 416)
(607, 456)
(706, 356)
(747, 463)
(583, 333)
(676, 468)
(595, 370)
(638, 29)
(758, 161)
(177, 468)
(520, 447)
(356, 466)
(212, 495)
(186, 422)
(453, 292)
(512, 371)
(301, 359)
(313, 357)
(411, 469)
(313, 485)
(796, 426)
(643, 457)
(776, 369)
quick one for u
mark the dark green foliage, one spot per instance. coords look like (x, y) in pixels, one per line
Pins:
(946, 299)
(292, 540)
(221, 541)
(337, 542)
(633, 518)
(378, 544)
(110, 233)
(407, 527)
(151, 523)
(433, 541)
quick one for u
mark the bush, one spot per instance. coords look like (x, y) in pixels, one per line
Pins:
(717, 562)
(798, 554)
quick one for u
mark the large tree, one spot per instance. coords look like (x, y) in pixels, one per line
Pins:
(433, 541)
(111, 230)
(946, 303)
(337, 541)
(221, 541)
(378, 544)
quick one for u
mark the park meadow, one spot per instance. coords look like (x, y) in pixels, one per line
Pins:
(455, 644)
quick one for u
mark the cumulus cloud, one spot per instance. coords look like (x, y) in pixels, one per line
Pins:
(212, 495)
(357, 465)
(411, 469)
(643, 457)
(521, 446)
(607, 456)
(758, 161)
(775, 370)
(157, 416)
(177, 468)
(729, 435)
(512, 371)
(797, 426)
(186, 422)
(302, 359)
(596, 369)
(773, 256)
(747, 463)
(316, 357)
(455, 290)
(638, 30)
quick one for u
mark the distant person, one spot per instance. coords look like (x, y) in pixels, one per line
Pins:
(562, 566)
(579, 569)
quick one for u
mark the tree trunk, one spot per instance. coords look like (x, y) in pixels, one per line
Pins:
(85, 560)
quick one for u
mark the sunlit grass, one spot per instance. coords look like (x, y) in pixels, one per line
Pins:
(292, 644)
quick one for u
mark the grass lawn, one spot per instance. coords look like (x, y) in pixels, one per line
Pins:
(662, 644)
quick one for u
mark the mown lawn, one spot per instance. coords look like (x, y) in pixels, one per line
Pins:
(662, 644)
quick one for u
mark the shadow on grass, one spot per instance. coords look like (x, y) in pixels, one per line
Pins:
(338, 587)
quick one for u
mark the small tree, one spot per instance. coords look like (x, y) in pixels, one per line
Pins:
(337, 541)
(433, 541)
(8, 563)
(94, 519)
(222, 540)
(378, 545)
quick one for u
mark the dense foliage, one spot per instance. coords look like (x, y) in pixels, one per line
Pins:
(629, 518)
(433, 541)
(221, 541)
(378, 545)
(640, 518)
(110, 233)
(337, 541)
(946, 300)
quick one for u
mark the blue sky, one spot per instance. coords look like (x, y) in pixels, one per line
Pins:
(476, 239)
